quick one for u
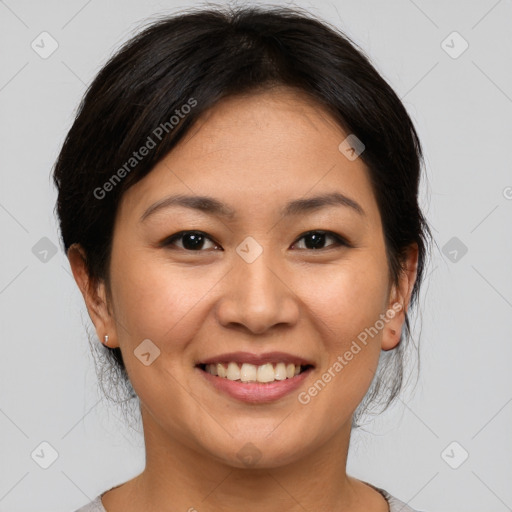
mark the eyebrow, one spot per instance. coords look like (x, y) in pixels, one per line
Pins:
(215, 207)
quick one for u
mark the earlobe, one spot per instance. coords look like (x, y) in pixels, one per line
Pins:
(399, 300)
(93, 293)
(393, 328)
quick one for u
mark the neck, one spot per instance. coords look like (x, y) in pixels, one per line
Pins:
(179, 475)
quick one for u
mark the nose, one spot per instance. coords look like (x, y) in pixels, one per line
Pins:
(257, 296)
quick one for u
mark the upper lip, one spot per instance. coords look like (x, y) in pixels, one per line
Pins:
(256, 359)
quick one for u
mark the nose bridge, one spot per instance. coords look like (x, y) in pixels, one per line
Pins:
(256, 294)
(258, 277)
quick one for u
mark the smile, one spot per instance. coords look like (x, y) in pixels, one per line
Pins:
(255, 378)
(247, 372)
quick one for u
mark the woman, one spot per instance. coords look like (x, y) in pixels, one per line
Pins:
(238, 202)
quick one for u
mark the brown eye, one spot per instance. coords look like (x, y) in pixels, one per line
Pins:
(190, 240)
(315, 240)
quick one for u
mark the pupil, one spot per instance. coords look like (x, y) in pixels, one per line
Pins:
(192, 241)
(317, 238)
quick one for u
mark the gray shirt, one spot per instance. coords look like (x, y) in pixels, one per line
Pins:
(395, 505)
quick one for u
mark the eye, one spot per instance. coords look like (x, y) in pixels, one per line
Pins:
(197, 240)
(191, 240)
(314, 240)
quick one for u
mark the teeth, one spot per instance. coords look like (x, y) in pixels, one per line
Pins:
(233, 371)
(280, 371)
(220, 370)
(252, 373)
(248, 372)
(266, 373)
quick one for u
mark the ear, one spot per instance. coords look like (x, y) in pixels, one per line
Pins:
(399, 299)
(94, 294)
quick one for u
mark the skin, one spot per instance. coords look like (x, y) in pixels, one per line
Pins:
(254, 153)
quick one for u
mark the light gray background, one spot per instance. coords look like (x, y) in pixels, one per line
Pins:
(462, 108)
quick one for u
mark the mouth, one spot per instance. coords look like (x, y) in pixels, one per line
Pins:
(255, 378)
(247, 372)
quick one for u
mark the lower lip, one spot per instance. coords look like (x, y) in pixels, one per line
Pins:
(256, 392)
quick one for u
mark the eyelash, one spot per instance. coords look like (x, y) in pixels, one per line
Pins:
(339, 240)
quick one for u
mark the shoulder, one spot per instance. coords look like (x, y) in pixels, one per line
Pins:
(395, 505)
(94, 506)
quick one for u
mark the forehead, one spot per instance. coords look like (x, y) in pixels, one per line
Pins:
(281, 121)
(276, 144)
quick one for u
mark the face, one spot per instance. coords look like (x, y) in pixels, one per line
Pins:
(261, 280)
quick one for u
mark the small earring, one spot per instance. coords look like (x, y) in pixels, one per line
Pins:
(105, 339)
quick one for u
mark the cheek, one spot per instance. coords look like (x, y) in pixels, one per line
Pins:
(157, 300)
(347, 303)
(166, 304)
(349, 297)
